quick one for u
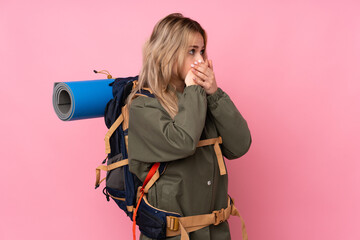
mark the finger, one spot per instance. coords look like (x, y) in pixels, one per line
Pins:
(194, 80)
(211, 64)
(199, 82)
(204, 85)
(207, 66)
(206, 63)
(198, 73)
(201, 68)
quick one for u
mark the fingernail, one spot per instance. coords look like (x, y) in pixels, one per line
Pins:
(195, 62)
(199, 61)
(192, 65)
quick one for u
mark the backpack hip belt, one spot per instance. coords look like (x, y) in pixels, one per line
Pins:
(184, 225)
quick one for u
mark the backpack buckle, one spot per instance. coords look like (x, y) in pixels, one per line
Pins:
(173, 223)
(219, 216)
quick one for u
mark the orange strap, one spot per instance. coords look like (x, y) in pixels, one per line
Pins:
(134, 215)
(149, 176)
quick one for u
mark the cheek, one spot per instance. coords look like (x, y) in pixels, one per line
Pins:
(185, 69)
(187, 65)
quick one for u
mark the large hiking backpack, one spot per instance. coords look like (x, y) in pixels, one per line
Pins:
(121, 185)
(129, 192)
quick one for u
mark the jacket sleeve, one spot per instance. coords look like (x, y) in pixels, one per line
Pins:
(230, 124)
(155, 137)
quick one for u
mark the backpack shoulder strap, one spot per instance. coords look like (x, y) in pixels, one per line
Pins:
(124, 119)
(125, 113)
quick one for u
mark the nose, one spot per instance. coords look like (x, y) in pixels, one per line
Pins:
(200, 57)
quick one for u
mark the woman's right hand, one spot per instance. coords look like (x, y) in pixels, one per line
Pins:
(189, 79)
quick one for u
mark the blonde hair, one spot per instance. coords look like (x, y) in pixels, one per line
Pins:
(165, 49)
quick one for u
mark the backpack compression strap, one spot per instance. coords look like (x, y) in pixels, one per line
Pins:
(124, 120)
(149, 176)
(108, 168)
(123, 117)
(112, 129)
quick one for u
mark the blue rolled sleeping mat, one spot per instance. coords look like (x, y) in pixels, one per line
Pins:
(81, 99)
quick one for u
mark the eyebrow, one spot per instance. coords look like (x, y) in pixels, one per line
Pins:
(195, 46)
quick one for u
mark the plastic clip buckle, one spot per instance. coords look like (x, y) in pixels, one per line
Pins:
(174, 223)
(219, 216)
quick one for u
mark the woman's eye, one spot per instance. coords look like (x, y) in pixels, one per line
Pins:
(192, 51)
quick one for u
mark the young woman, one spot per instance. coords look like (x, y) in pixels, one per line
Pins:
(188, 107)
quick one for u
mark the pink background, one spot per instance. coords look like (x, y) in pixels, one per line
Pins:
(291, 67)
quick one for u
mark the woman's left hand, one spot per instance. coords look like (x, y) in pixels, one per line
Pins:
(205, 76)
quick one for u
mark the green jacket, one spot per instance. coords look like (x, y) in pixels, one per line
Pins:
(191, 183)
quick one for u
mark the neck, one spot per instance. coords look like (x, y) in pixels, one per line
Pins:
(179, 84)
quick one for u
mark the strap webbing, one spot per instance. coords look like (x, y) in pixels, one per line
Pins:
(193, 223)
(121, 199)
(124, 117)
(149, 176)
(127, 142)
(108, 168)
(112, 129)
(136, 82)
(148, 89)
(125, 113)
(235, 212)
(151, 182)
(220, 159)
(209, 141)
